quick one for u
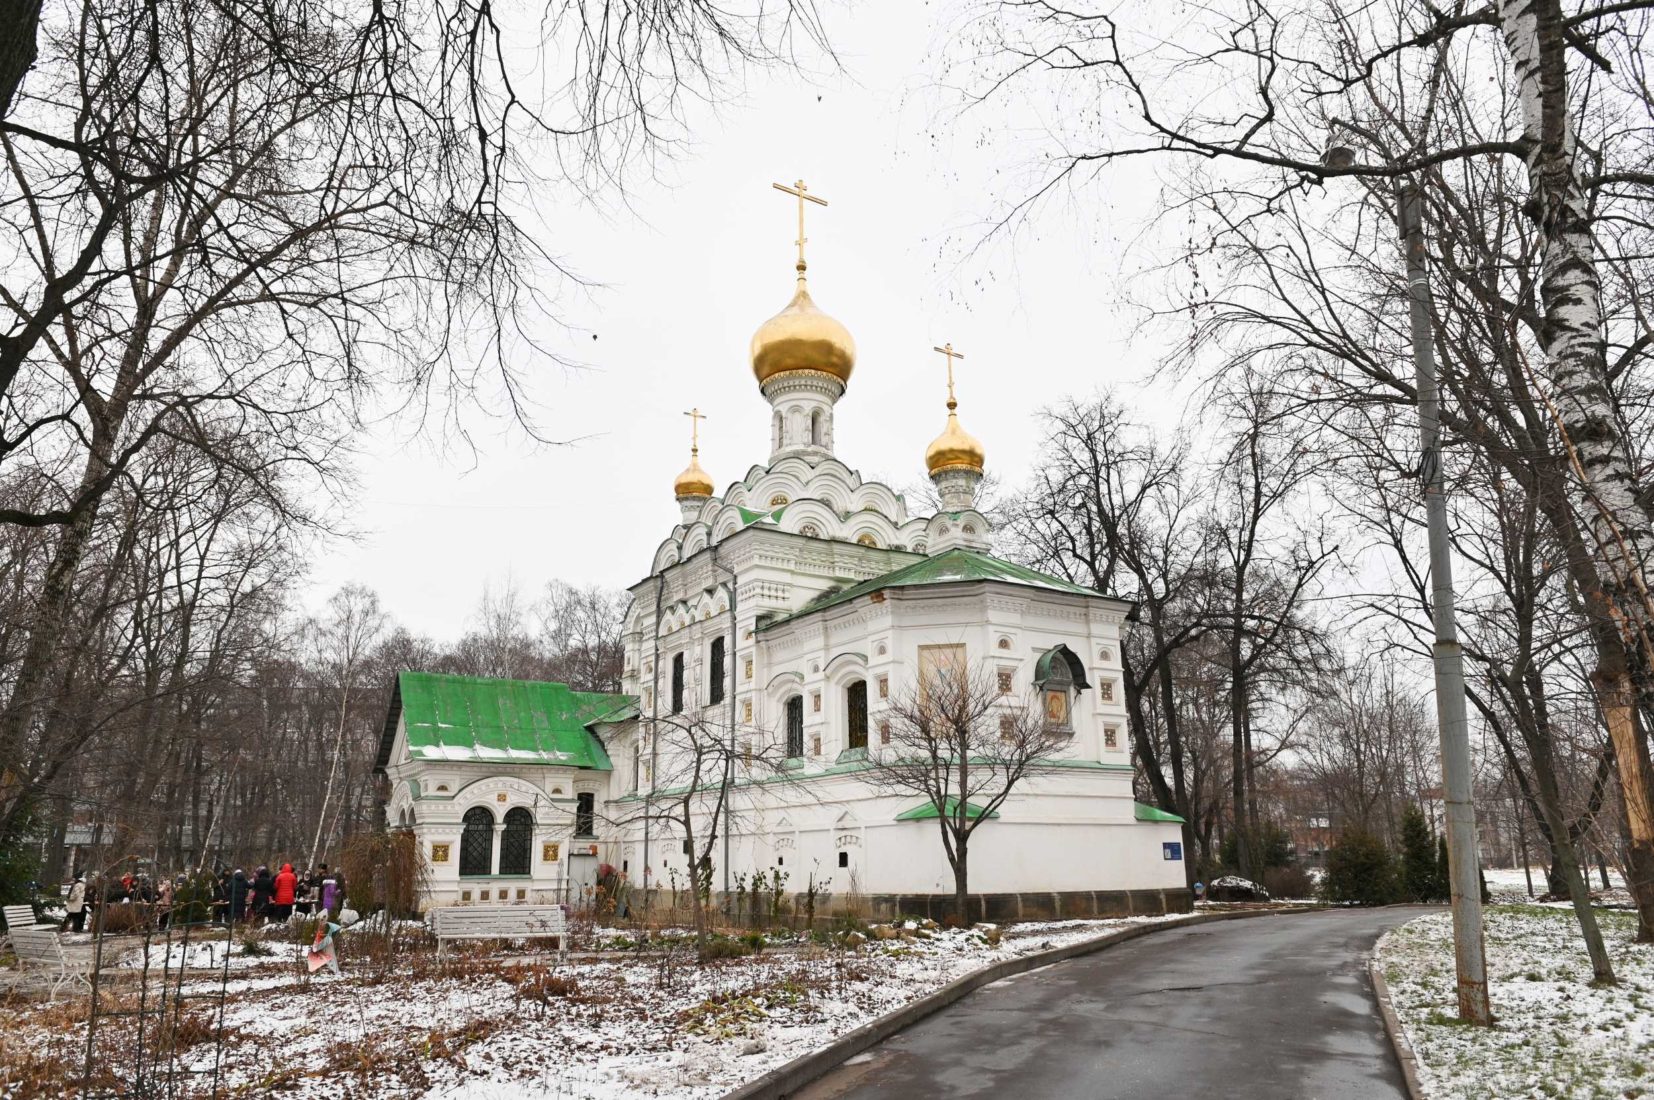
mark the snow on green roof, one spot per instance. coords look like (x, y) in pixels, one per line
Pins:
(949, 567)
(1150, 813)
(926, 811)
(478, 719)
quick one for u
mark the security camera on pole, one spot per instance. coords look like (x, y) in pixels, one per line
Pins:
(1464, 870)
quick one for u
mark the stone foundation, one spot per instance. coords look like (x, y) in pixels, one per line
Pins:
(997, 908)
(1003, 908)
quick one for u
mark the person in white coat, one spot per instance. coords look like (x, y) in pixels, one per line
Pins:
(76, 918)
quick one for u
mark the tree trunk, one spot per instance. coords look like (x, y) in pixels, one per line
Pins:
(961, 884)
(1616, 695)
(1621, 523)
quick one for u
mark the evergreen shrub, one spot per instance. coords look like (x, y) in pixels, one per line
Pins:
(1360, 871)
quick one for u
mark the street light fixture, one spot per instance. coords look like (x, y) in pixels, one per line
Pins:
(1470, 959)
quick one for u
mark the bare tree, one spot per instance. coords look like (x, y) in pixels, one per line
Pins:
(1553, 106)
(267, 215)
(958, 743)
(1112, 507)
(696, 791)
(580, 632)
(343, 642)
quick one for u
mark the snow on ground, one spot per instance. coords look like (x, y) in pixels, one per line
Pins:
(1555, 1035)
(624, 1026)
(1509, 886)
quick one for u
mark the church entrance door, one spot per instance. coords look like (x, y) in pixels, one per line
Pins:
(582, 879)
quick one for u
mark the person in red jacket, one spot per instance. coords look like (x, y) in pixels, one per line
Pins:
(286, 884)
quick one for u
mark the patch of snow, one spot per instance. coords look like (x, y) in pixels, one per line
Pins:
(1555, 1034)
(616, 1027)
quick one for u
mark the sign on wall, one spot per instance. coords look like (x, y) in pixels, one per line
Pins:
(1171, 849)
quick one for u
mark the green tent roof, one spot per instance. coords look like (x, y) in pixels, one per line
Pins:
(1150, 813)
(949, 567)
(926, 811)
(476, 719)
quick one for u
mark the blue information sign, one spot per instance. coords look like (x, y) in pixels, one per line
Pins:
(1172, 849)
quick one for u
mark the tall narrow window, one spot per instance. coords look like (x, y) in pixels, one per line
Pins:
(815, 428)
(795, 726)
(677, 684)
(637, 767)
(855, 700)
(476, 842)
(515, 841)
(715, 686)
(585, 816)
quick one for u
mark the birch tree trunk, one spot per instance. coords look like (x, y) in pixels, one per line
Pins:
(1620, 521)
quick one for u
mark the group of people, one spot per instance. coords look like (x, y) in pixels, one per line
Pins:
(263, 897)
(229, 896)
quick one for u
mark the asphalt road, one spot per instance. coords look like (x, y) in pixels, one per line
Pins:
(1272, 1008)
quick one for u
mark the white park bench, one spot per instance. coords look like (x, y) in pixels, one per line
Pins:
(40, 948)
(19, 916)
(499, 922)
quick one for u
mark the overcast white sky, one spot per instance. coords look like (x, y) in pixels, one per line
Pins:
(698, 262)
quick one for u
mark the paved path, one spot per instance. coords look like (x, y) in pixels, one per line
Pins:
(1272, 1007)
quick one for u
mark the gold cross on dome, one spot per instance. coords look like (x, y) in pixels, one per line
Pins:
(695, 416)
(947, 350)
(803, 193)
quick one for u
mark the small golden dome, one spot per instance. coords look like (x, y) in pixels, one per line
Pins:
(800, 338)
(694, 481)
(955, 448)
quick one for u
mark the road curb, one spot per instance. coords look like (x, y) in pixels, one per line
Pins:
(789, 1077)
(1392, 1027)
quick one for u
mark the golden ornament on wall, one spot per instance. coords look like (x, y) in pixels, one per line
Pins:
(439, 853)
(549, 852)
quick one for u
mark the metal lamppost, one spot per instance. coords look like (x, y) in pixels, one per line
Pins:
(1463, 865)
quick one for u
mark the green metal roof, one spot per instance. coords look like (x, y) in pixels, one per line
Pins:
(1150, 813)
(476, 719)
(926, 811)
(949, 567)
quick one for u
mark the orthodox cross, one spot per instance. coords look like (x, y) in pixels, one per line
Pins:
(695, 416)
(803, 194)
(947, 350)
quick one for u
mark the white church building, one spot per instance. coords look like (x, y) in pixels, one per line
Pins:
(788, 613)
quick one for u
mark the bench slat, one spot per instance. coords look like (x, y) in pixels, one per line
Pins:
(497, 922)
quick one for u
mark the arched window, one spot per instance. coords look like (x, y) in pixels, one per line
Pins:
(855, 707)
(815, 427)
(775, 432)
(795, 726)
(677, 684)
(585, 814)
(515, 841)
(716, 675)
(476, 843)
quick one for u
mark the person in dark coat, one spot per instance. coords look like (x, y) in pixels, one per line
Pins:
(264, 888)
(238, 896)
(286, 887)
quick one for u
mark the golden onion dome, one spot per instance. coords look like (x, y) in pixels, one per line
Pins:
(802, 338)
(954, 449)
(694, 481)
